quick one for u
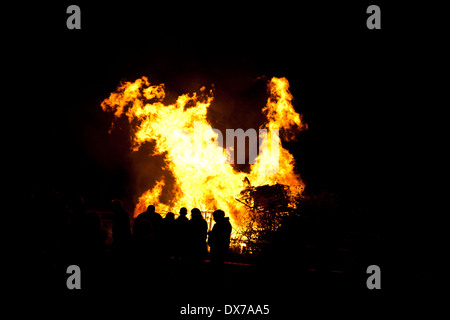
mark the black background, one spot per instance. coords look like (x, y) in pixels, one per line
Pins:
(370, 97)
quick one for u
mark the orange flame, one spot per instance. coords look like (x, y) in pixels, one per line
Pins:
(191, 149)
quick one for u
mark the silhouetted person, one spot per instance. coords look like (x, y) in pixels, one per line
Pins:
(182, 217)
(94, 236)
(85, 233)
(146, 231)
(121, 230)
(155, 217)
(168, 235)
(150, 216)
(198, 229)
(219, 237)
(181, 234)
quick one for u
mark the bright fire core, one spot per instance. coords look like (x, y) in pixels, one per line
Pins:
(203, 178)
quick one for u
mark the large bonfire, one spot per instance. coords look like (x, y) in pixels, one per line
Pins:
(194, 155)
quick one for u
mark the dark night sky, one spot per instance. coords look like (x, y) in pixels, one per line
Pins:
(354, 87)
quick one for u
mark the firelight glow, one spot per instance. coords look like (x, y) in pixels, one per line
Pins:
(207, 180)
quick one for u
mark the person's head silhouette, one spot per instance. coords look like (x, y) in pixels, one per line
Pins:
(183, 212)
(170, 216)
(116, 204)
(218, 215)
(151, 209)
(196, 214)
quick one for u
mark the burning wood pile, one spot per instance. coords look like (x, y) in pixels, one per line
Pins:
(271, 198)
(266, 206)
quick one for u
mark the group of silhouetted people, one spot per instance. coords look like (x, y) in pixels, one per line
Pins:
(60, 228)
(171, 238)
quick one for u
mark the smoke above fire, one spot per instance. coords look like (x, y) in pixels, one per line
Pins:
(196, 168)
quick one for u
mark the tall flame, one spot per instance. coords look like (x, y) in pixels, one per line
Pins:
(192, 150)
